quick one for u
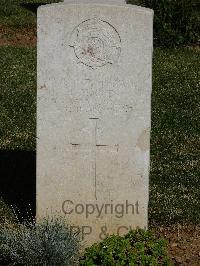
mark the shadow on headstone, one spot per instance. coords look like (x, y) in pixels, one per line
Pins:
(18, 180)
(32, 6)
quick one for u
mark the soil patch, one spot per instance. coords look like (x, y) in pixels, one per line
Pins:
(184, 243)
(18, 37)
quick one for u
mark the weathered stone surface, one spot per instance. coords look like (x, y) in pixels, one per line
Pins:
(94, 105)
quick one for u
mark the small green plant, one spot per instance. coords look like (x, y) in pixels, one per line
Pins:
(138, 247)
(49, 242)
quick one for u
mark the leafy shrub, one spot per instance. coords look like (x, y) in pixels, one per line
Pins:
(136, 248)
(6, 213)
(48, 242)
(176, 22)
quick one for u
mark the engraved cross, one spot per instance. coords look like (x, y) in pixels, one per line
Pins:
(94, 150)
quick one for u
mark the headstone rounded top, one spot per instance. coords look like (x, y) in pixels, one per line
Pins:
(89, 3)
(95, 1)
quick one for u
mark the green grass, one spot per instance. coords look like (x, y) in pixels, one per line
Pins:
(17, 98)
(12, 13)
(7, 215)
(175, 138)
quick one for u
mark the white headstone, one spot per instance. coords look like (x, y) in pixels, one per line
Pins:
(94, 116)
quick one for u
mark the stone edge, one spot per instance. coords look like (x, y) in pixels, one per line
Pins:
(127, 6)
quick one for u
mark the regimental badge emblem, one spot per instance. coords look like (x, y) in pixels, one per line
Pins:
(96, 43)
